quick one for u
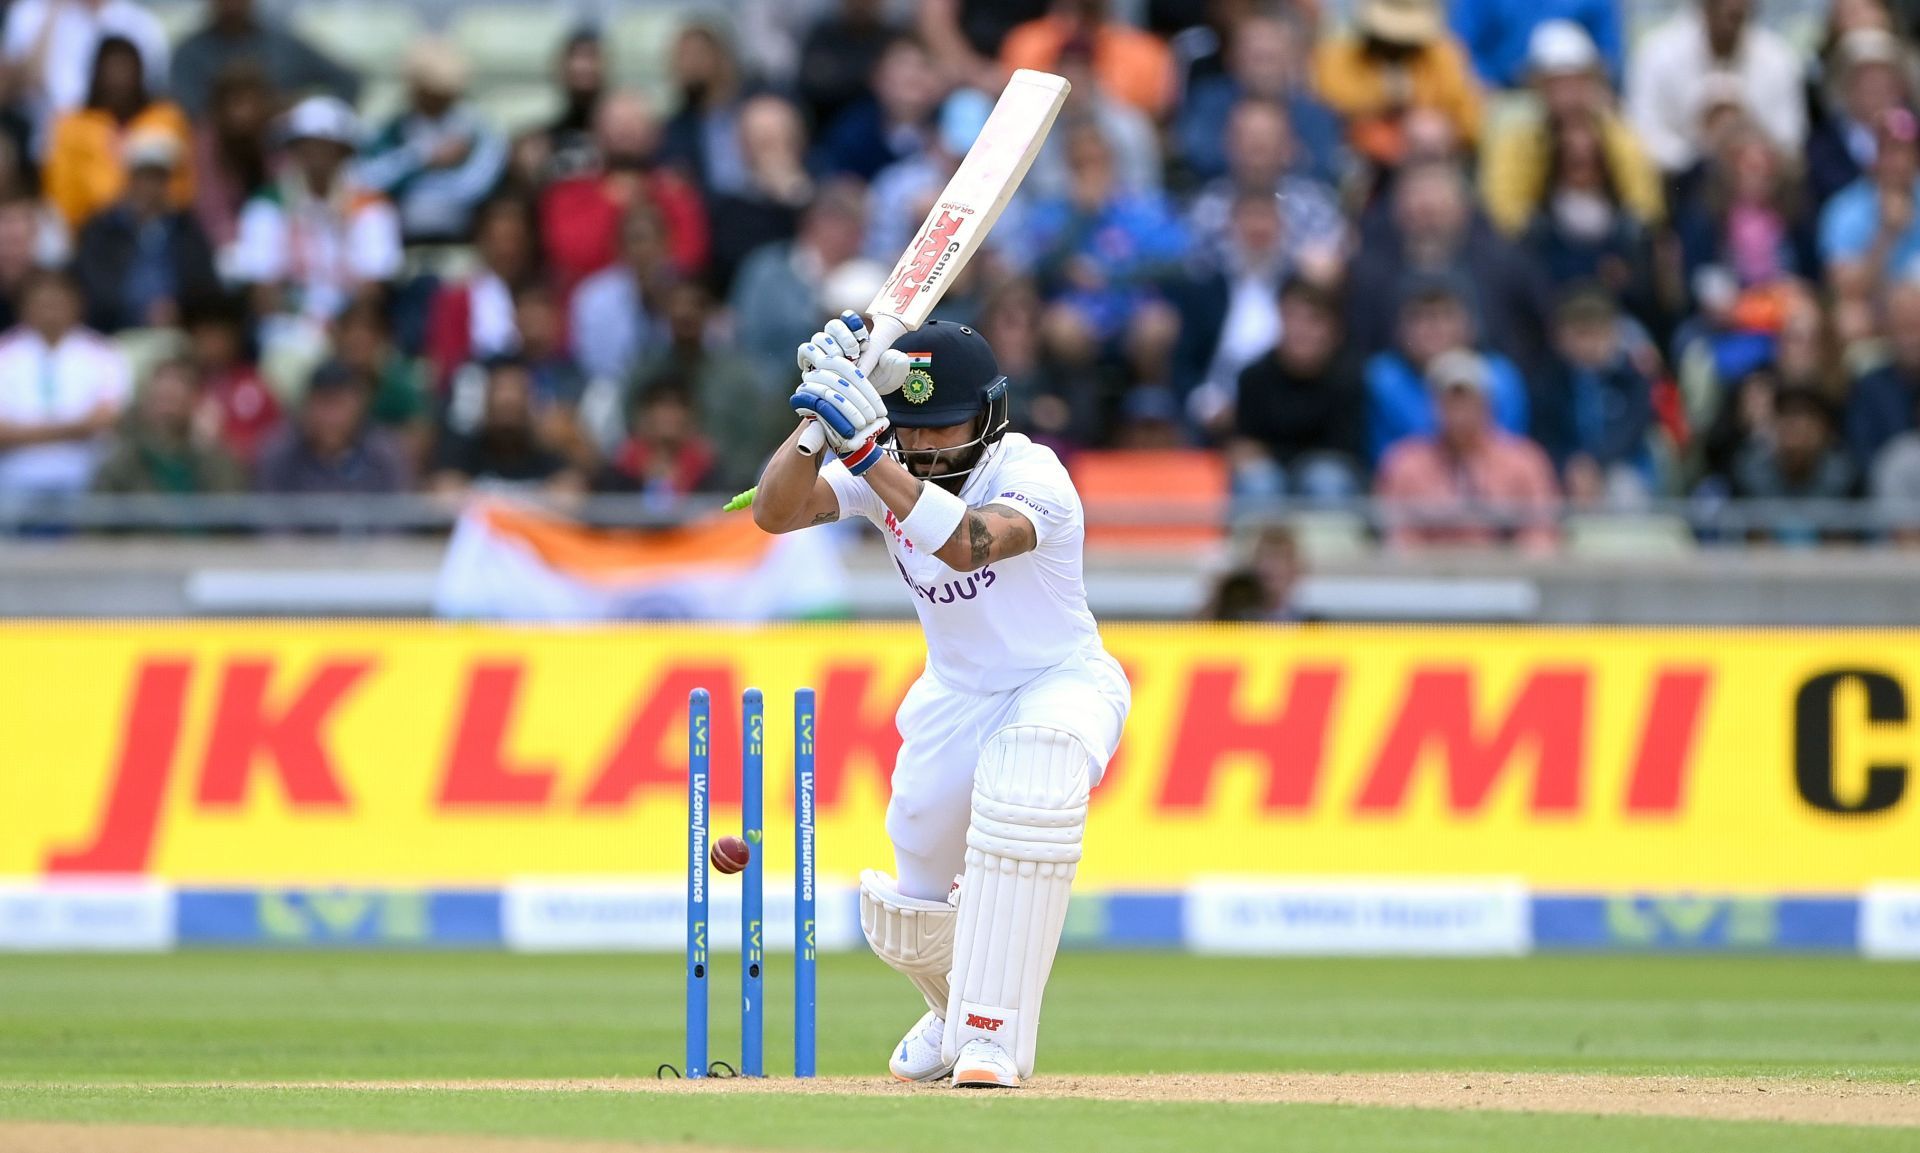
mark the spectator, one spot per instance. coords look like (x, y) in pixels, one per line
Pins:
(235, 403)
(1582, 230)
(85, 167)
(1229, 312)
(665, 457)
(702, 139)
(1801, 460)
(331, 447)
(1236, 599)
(1300, 414)
(138, 258)
(1499, 34)
(1061, 398)
(1130, 133)
(966, 36)
(559, 383)
(1132, 65)
(472, 318)
(1895, 488)
(1400, 59)
(1869, 231)
(580, 216)
(1265, 63)
(61, 389)
(439, 159)
(1870, 81)
(23, 249)
(505, 453)
(1431, 228)
(896, 122)
(1260, 159)
(396, 384)
(1434, 320)
(236, 36)
(1097, 249)
(730, 397)
(51, 47)
(1469, 482)
(1262, 589)
(1744, 221)
(768, 210)
(159, 449)
(1885, 401)
(779, 284)
(614, 318)
(230, 151)
(1745, 417)
(837, 55)
(1516, 176)
(1677, 68)
(1592, 410)
(315, 238)
(565, 146)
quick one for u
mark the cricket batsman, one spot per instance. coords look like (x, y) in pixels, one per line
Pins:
(1019, 708)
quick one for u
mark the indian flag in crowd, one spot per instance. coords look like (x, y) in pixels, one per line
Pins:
(506, 562)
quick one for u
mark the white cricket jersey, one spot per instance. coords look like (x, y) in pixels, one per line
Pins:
(997, 628)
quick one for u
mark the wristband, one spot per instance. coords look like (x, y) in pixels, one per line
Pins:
(934, 517)
(859, 460)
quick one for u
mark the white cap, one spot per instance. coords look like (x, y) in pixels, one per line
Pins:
(1461, 368)
(1560, 47)
(149, 148)
(323, 118)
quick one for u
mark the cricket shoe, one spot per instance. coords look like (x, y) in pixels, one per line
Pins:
(917, 1056)
(984, 1065)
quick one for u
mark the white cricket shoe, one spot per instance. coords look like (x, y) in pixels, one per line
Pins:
(917, 1056)
(984, 1065)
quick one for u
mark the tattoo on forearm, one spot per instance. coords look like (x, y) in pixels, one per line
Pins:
(979, 538)
(824, 518)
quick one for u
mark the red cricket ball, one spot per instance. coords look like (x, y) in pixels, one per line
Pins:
(730, 854)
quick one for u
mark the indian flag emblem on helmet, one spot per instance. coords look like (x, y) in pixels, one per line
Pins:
(918, 388)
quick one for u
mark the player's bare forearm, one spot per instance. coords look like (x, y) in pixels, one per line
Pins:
(792, 493)
(991, 533)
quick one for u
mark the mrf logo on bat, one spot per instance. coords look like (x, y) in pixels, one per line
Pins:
(930, 256)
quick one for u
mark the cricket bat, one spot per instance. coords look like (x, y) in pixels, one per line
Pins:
(987, 178)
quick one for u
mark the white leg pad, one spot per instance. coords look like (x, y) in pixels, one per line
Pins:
(913, 936)
(1023, 846)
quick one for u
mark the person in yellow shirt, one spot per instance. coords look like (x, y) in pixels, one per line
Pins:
(1400, 58)
(85, 171)
(1569, 78)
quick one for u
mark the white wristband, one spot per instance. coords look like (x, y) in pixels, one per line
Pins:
(934, 517)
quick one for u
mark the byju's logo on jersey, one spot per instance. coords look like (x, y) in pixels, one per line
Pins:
(964, 589)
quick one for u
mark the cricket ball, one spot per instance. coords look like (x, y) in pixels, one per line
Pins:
(730, 854)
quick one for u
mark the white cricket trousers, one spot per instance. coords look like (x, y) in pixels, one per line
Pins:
(942, 731)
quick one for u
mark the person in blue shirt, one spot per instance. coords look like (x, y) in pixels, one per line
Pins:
(1435, 318)
(1098, 249)
(1496, 33)
(1869, 231)
(1263, 63)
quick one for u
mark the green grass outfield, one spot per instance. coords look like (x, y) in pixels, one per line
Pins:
(123, 1039)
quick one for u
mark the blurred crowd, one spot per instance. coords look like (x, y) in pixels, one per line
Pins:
(1481, 254)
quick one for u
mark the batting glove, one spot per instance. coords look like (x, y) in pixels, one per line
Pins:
(835, 392)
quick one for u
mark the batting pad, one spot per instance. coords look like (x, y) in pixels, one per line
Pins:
(913, 936)
(1023, 847)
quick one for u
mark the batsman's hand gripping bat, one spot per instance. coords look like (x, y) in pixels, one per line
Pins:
(986, 180)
